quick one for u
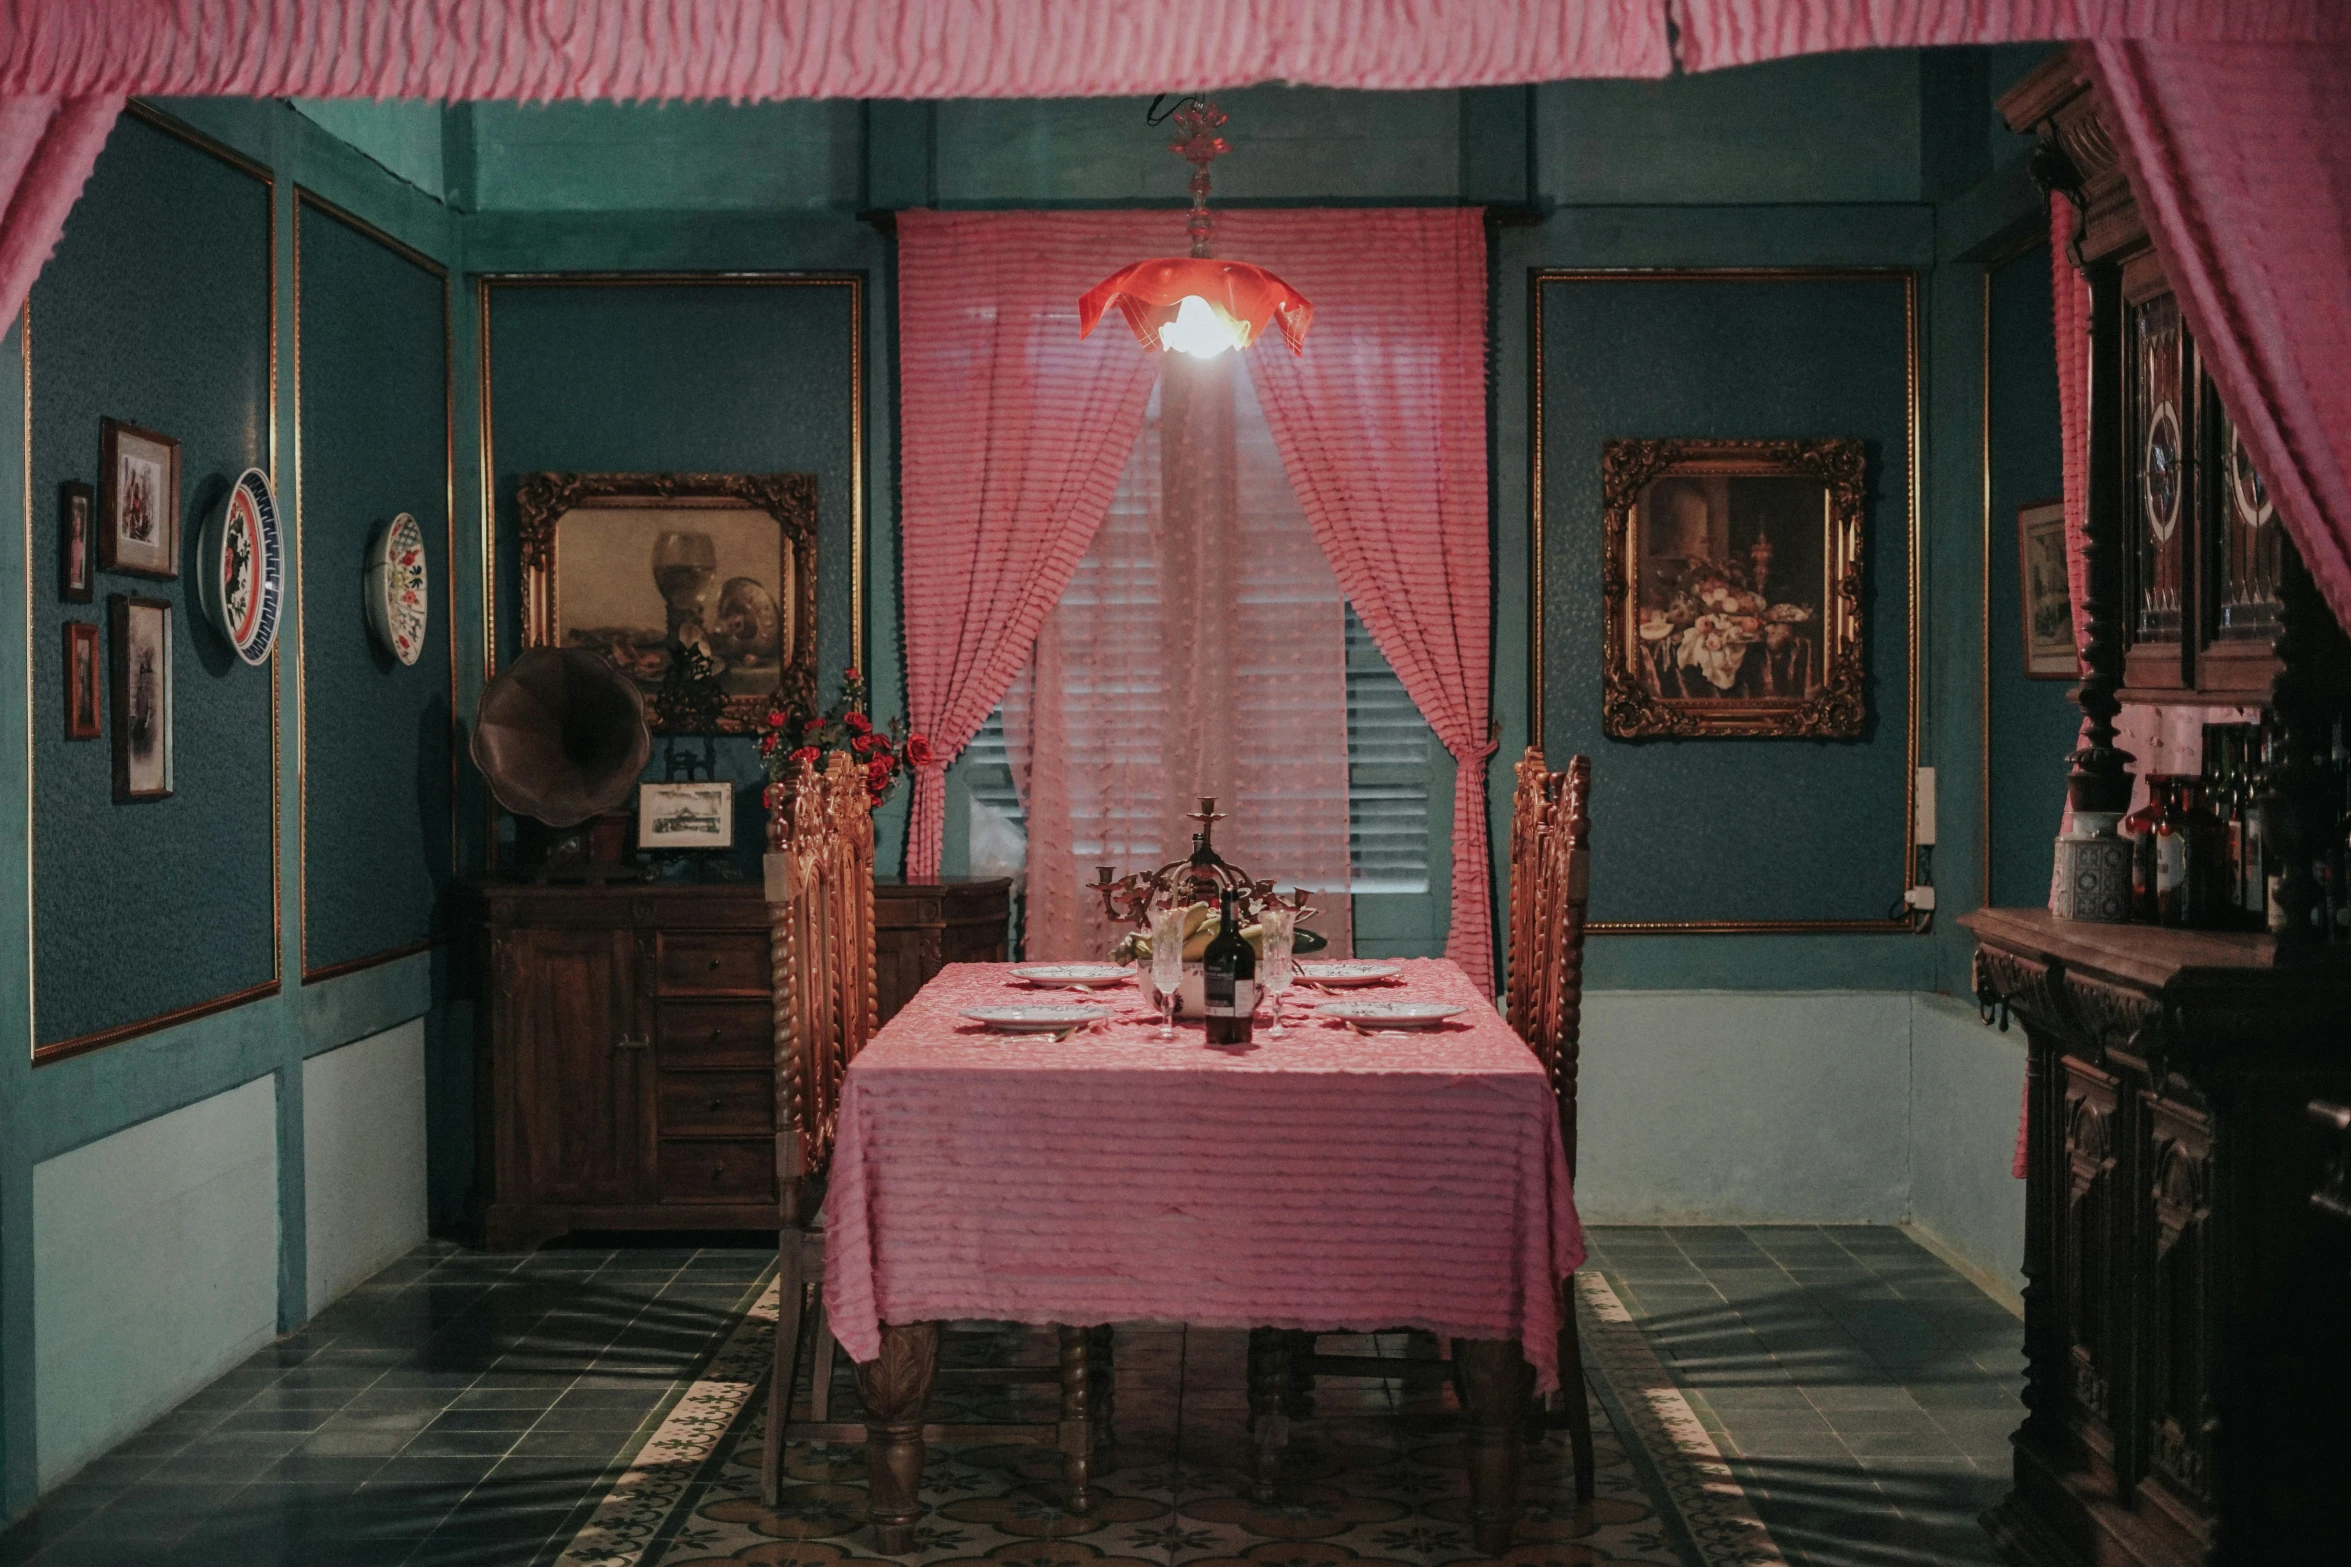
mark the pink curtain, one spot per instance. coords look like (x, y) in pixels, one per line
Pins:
(1382, 426)
(2241, 160)
(763, 49)
(1200, 649)
(47, 148)
(1717, 33)
(1013, 432)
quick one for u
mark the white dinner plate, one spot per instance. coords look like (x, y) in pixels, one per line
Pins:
(1338, 975)
(1389, 1014)
(1043, 1019)
(1072, 976)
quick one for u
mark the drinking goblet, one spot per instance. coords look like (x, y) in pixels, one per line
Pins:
(1167, 963)
(1278, 931)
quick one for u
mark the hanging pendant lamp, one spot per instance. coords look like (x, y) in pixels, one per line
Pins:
(1197, 304)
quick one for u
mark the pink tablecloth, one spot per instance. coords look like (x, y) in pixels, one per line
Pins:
(1325, 1180)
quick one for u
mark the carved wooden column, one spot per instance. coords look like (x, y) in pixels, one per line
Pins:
(895, 1385)
(1493, 1379)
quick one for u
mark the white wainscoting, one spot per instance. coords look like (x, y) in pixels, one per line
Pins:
(363, 1157)
(155, 1269)
(1966, 1083)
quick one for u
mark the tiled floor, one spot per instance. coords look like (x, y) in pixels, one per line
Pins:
(1862, 1390)
(465, 1408)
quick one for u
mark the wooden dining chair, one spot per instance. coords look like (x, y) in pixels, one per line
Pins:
(1550, 877)
(821, 932)
(1550, 892)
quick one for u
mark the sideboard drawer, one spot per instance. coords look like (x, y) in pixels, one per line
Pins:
(713, 962)
(718, 1033)
(694, 1102)
(713, 1171)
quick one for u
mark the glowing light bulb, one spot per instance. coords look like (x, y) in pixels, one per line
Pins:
(1199, 330)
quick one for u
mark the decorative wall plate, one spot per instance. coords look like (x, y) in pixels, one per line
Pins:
(397, 599)
(241, 568)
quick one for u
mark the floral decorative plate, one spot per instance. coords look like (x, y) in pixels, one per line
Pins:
(1339, 975)
(396, 596)
(1389, 1014)
(241, 568)
(1048, 1019)
(1072, 976)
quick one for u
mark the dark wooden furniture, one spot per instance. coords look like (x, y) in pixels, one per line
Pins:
(922, 926)
(2187, 1369)
(2187, 1365)
(628, 1074)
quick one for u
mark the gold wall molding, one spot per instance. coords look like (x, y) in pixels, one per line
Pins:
(305, 197)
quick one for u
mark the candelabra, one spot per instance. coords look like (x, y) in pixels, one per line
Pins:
(1202, 878)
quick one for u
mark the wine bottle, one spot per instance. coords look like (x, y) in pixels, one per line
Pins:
(1228, 972)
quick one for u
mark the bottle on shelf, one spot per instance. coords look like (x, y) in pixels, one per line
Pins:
(1228, 973)
(2174, 853)
(2139, 828)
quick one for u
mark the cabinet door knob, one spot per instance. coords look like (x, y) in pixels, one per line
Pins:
(718, 1104)
(633, 1042)
(714, 965)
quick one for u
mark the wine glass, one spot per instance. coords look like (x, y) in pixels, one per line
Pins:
(1167, 962)
(1277, 930)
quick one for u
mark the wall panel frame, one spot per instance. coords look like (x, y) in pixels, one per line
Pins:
(1912, 489)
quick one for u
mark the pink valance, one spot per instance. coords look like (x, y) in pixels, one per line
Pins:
(1713, 34)
(47, 148)
(764, 49)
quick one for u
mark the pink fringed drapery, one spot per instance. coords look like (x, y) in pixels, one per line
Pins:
(1013, 433)
(1382, 426)
(47, 147)
(1200, 649)
(1717, 33)
(2241, 162)
(764, 49)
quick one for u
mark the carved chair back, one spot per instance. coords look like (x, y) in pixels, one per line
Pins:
(820, 924)
(1550, 886)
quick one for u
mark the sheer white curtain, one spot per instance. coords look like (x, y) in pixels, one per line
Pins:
(1200, 649)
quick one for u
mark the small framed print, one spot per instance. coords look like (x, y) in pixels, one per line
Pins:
(140, 629)
(139, 505)
(685, 816)
(2047, 594)
(81, 680)
(77, 562)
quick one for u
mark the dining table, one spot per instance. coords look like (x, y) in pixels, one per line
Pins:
(1325, 1180)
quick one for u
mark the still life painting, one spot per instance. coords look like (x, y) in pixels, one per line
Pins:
(2049, 651)
(139, 521)
(663, 574)
(1733, 582)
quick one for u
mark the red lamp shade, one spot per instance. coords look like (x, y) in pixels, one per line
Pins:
(1231, 302)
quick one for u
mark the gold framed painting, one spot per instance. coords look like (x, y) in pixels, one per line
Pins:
(649, 569)
(1733, 588)
(2046, 612)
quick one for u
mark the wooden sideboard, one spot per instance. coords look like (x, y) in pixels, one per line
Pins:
(627, 1076)
(2187, 1307)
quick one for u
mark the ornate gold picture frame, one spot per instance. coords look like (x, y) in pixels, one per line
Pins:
(637, 566)
(1733, 585)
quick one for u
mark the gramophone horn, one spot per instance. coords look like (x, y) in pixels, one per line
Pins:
(561, 736)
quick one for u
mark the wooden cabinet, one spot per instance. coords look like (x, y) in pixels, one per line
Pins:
(2186, 1366)
(628, 1078)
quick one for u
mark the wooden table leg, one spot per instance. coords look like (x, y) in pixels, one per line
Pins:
(1269, 1398)
(895, 1385)
(1077, 1426)
(1494, 1380)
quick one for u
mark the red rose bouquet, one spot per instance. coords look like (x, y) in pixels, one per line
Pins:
(793, 736)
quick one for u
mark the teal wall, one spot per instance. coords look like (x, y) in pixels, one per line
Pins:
(2034, 724)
